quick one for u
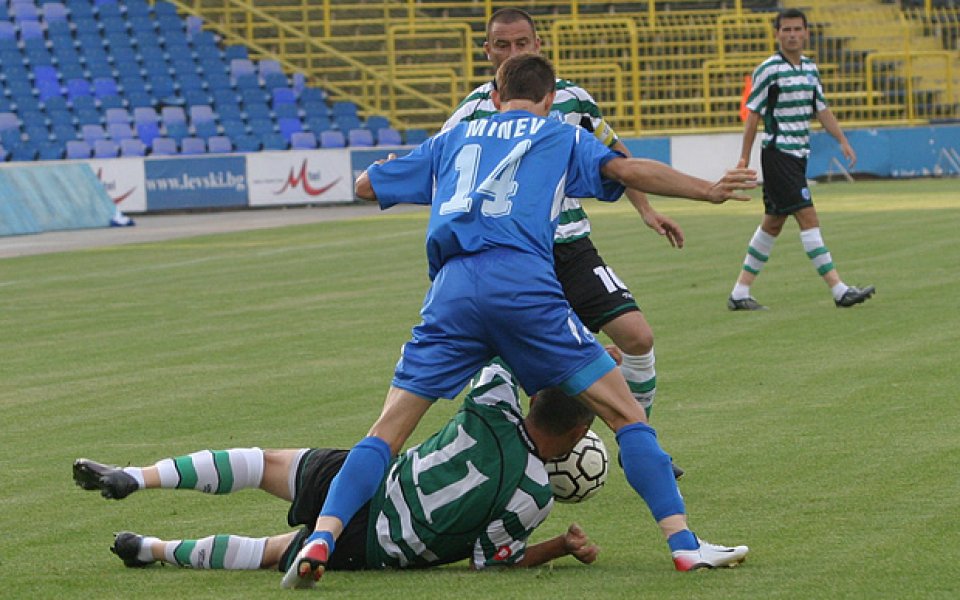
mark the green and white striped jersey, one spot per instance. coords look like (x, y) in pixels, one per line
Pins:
(572, 105)
(475, 489)
(796, 95)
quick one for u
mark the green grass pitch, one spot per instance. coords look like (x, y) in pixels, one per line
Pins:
(825, 439)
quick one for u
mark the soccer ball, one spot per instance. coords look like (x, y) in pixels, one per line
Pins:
(580, 474)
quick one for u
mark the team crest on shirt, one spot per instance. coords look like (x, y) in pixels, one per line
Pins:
(556, 115)
(503, 553)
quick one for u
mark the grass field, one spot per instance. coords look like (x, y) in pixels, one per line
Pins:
(825, 439)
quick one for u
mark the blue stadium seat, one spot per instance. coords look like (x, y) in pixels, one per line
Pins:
(375, 122)
(173, 114)
(54, 12)
(205, 129)
(201, 113)
(234, 51)
(316, 109)
(92, 133)
(303, 140)
(275, 80)
(332, 138)
(347, 122)
(24, 12)
(119, 131)
(318, 124)
(415, 136)
(24, 152)
(105, 86)
(219, 144)
(247, 143)
(163, 146)
(288, 127)
(117, 115)
(233, 129)
(260, 127)
(106, 149)
(360, 137)
(388, 136)
(148, 132)
(77, 88)
(63, 133)
(132, 147)
(288, 111)
(283, 95)
(242, 66)
(193, 145)
(274, 141)
(50, 150)
(312, 94)
(258, 112)
(78, 149)
(344, 108)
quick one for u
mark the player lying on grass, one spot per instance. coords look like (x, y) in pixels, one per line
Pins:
(474, 490)
(495, 186)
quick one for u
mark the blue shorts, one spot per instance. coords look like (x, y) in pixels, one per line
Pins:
(503, 303)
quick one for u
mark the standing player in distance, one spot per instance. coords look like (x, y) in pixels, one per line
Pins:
(495, 186)
(787, 94)
(474, 490)
(597, 295)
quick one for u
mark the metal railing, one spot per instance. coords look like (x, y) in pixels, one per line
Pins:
(651, 68)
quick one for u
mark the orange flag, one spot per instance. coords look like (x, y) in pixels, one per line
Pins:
(747, 88)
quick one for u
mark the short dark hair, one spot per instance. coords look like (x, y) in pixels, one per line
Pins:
(557, 413)
(525, 77)
(510, 15)
(789, 13)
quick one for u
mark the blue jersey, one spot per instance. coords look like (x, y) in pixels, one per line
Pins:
(496, 182)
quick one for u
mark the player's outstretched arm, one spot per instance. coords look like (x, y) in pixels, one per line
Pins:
(362, 187)
(572, 543)
(658, 178)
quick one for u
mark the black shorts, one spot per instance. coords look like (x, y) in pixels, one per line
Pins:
(592, 288)
(315, 472)
(785, 188)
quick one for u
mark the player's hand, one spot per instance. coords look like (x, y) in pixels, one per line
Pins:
(848, 154)
(577, 544)
(308, 566)
(389, 157)
(733, 181)
(664, 226)
(742, 163)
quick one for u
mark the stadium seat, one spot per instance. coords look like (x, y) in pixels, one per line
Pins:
(235, 51)
(117, 115)
(219, 144)
(24, 152)
(77, 149)
(54, 12)
(51, 151)
(415, 137)
(289, 126)
(92, 133)
(266, 67)
(119, 131)
(375, 122)
(272, 81)
(360, 137)
(173, 114)
(289, 111)
(242, 66)
(303, 140)
(347, 122)
(332, 138)
(318, 124)
(132, 147)
(388, 136)
(105, 149)
(205, 129)
(193, 145)
(105, 86)
(312, 94)
(163, 146)
(148, 132)
(283, 95)
(247, 143)
(77, 88)
(274, 141)
(344, 108)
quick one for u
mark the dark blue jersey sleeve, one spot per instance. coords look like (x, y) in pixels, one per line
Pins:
(408, 179)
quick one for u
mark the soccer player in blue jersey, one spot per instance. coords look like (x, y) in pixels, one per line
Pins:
(495, 186)
(476, 489)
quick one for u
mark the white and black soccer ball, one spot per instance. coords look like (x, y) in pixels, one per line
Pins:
(580, 474)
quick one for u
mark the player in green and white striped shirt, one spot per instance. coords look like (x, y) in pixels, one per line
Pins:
(474, 490)
(786, 94)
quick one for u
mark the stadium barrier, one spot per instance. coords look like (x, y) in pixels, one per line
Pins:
(38, 198)
(41, 198)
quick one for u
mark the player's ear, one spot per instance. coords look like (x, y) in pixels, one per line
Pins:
(495, 96)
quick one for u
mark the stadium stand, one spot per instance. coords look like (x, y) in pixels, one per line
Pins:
(84, 78)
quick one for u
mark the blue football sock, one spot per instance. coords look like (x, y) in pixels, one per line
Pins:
(648, 470)
(358, 479)
(683, 540)
(325, 536)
